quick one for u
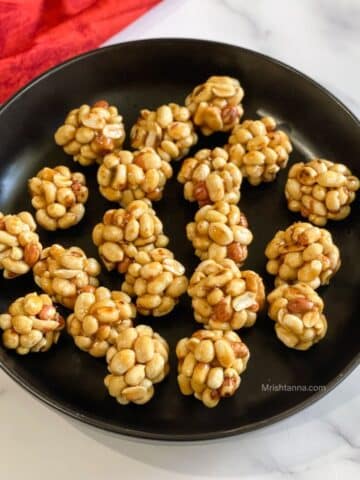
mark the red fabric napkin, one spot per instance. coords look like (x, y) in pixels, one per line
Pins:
(38, 34)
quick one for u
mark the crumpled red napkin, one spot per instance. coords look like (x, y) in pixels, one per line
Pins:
(38, 34)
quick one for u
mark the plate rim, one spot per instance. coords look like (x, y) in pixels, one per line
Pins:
(174, 437)
(114, 46)
(138, 433)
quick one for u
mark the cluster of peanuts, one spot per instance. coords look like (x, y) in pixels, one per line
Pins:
(224, 297)
(215, 105)
(258, 149)
(131, 240)
(210, 177)
(321, 190)
(64, 273)
(297, 313)
(138, 360)
(58, 195)
(302, 253)
(20, 247)
(220, 231)
(98, 319)
(125, 231)
(157, 280)
(168, 130)
(302, 258)
(31, 324)
(126, 176)
(210, 365)
(91, 132)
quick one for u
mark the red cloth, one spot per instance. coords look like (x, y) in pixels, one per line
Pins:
(38, 34)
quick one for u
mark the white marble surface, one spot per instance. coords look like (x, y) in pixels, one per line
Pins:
(320, 38)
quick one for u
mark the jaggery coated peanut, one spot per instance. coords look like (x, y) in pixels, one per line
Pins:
(139, 360)
(90, 132)
(297, 313)
(210, 365)
(59, 196)
(20, 247)
(126, 231)
(64, 273)
(258, 149)
(215, 105)
(321, 190)
(210, 177)
(31, 324)
(302, 253)
(126, 176)
(168, 130)
(220, 231)
(157, 280)
(223, 297)
(98, 319)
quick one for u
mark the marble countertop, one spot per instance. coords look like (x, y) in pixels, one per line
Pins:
(321, 38)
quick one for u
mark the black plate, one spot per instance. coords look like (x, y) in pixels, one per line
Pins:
(146, 74)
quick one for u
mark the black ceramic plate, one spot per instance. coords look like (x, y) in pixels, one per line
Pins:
(146, 74)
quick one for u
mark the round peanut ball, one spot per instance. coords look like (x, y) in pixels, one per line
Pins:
(157, 280)
(98, 319)
(90, 132)
(126, 231)
(215, 105)
(20, 247)
(137, 362)
(64, 273)
(126, 176)
(31, 324)
(225, 298)
(168, 130)
(297, 313)
(302, 253)
(210, 177)
(220, 231)
(59, 196)
(210, 365)
(321, 190)
(258, 149)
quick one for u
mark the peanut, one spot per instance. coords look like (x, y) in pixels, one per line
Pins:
(213, 370)
(125, 233)
(20, 247)
(90, 132)
(158, 282)
(58, 195)
(258, 149)
(35, 329)
(297, 311)
(215, 105)
(331, 190)
(65, 273)
(168, 130)
(137, 361)
(303, 253)
(223, 297)
(209, 176)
